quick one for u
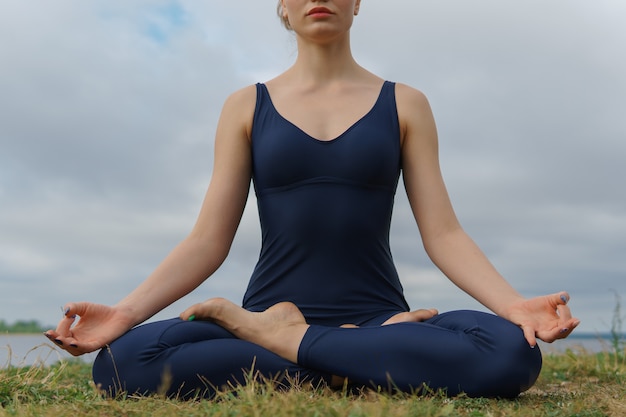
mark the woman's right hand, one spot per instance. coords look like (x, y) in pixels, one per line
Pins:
(97, 326)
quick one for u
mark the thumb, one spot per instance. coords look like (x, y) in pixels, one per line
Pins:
(529, 335)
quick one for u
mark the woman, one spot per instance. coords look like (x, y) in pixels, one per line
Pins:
(324, 143)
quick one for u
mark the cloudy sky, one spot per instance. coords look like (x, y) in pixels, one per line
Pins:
(108, 111)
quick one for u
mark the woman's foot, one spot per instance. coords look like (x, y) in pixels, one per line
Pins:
(412, 316)
(279, 329)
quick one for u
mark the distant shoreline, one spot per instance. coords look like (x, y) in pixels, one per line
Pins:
(25, 349)
(574, 335)
(603, 336)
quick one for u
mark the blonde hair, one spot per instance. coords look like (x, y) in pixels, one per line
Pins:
(283, 18)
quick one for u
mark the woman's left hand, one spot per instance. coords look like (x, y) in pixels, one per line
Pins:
(547, 317)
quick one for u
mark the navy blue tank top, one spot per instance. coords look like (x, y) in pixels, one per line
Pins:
(325, 210)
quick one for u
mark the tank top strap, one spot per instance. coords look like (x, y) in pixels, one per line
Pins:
(388, 100)
(262, 106)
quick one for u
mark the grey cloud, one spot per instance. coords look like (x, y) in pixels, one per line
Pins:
(106, 133)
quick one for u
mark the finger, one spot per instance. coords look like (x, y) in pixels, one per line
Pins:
(60, 340)
(191, 313)
(561, 331)
(568, 328)
(420, 315)
(550, 336)
(76, 309)
(423, 315)
(78, 349)
(53, 336)
(50, 334)
(564, 312)
(529, 335)
(561, 298)
(75, 347)
(63, 328)
(75, 352)
(187, 316)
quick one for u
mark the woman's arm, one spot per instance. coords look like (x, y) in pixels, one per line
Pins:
(200, 254)
(445, 241)
(196, 258)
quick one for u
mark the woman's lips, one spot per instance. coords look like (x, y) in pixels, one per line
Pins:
(319, 12)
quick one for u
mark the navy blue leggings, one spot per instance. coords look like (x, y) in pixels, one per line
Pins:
(461, 351)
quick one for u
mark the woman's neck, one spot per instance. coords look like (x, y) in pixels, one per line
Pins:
(324, 63)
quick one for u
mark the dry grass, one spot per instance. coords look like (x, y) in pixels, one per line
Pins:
(571, 384)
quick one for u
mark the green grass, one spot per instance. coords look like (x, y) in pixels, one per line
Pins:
(571, 384)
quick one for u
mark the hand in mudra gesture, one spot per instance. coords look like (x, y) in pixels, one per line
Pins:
(87, 327)
(547, 317)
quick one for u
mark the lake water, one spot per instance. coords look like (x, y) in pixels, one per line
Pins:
(33, 349)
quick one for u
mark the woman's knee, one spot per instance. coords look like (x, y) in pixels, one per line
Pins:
(524, 361)
(117, 370)
(511, 365)
(501, 362)
(130, 364)
(104, 374)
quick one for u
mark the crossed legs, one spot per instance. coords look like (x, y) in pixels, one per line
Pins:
(464, 351)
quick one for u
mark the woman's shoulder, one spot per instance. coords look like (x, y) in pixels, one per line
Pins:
(240, 104)
(410, 96)
(238, 110)
(242, 97)
(414, 111)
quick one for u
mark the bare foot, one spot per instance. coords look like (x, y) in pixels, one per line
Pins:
(279, 329)
(412, 316)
